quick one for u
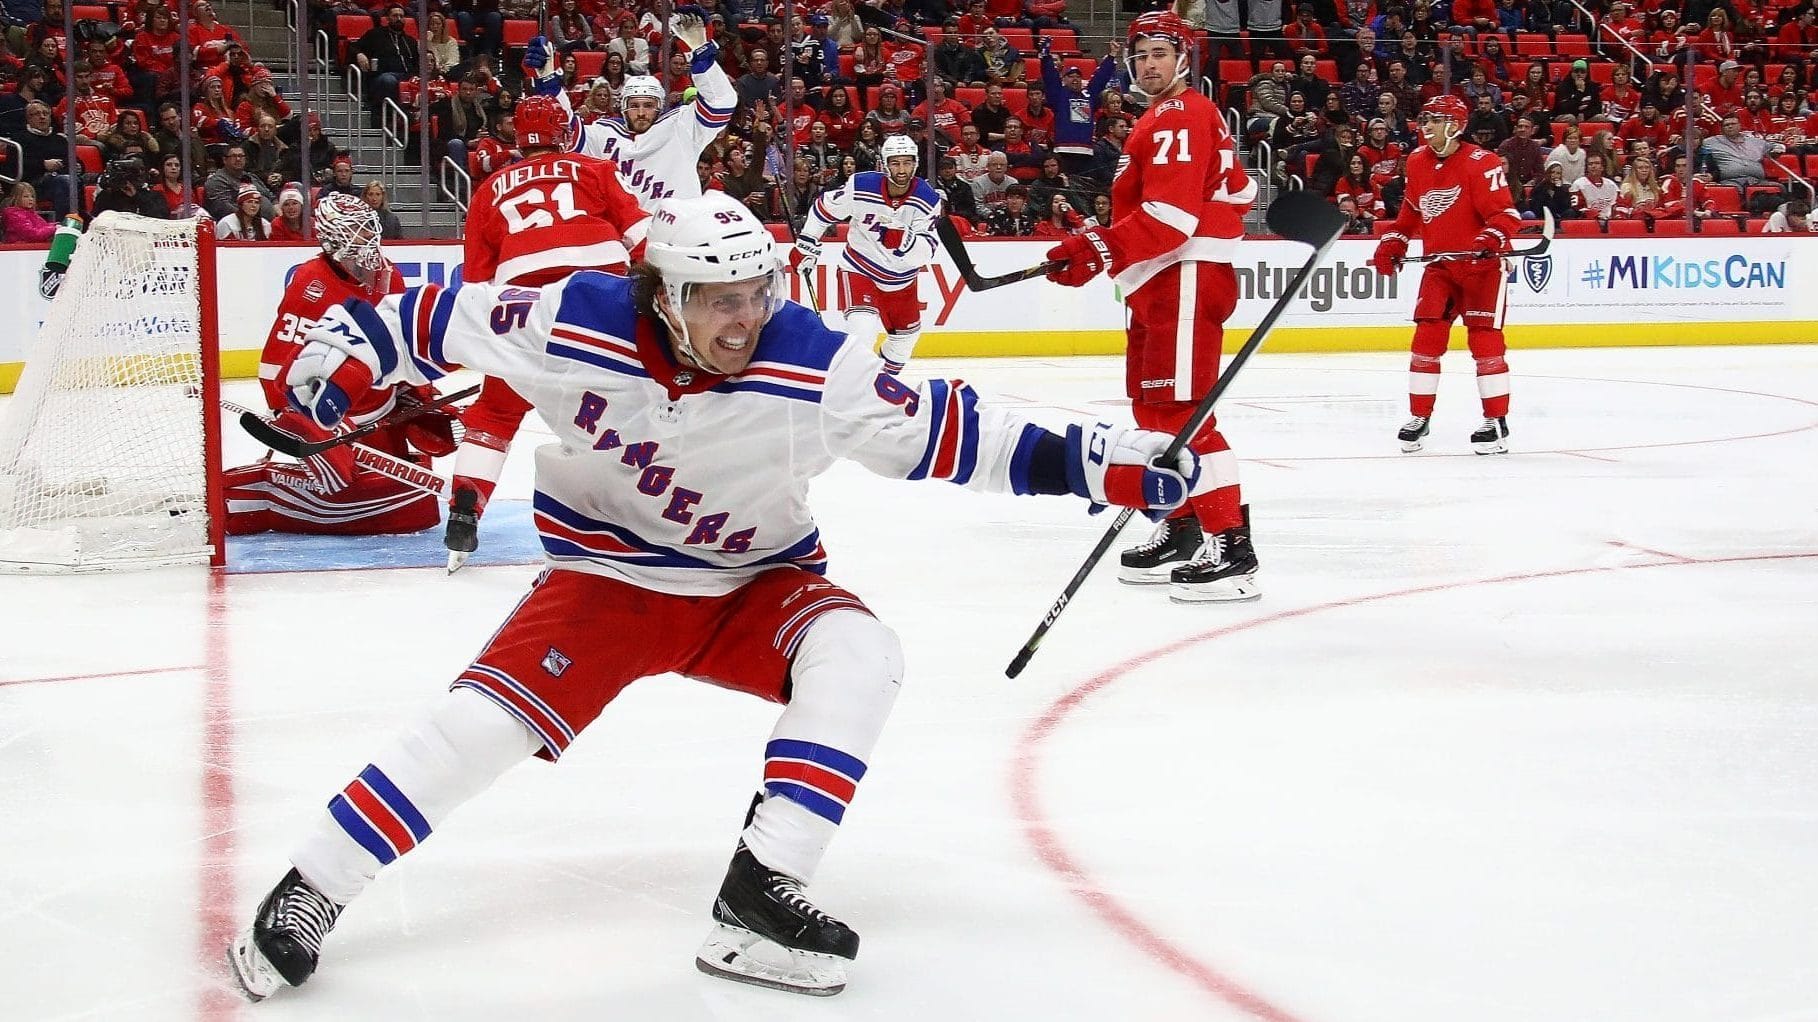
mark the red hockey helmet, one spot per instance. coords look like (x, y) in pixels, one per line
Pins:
(1442, 121)
(541, 121)
(1449, 108)
(1173, 28)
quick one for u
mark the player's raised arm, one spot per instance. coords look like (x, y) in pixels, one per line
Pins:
(714, 96)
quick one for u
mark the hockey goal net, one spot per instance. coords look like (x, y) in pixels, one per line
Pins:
(109, 447)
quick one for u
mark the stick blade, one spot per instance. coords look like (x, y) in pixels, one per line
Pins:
(1305, 217)
(288, 444)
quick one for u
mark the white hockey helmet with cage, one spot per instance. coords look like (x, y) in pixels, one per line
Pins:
(714, 239)
(349, 231)
(643, 87)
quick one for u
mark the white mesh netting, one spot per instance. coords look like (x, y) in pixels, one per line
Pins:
(103, 457)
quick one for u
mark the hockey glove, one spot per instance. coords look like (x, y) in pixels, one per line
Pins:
(690, 26)
(331, 470)
(545, 76)
(336, 365)
(432, 433)
(1489, 242)
(1085, 255)
(804, 256)
(1109, 464)
(1390, 251)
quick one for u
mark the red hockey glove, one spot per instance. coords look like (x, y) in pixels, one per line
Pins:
(431, 432)
(332, 469)
(1085, 254)
(1489, 241)
(804, 256)
(1390, 251)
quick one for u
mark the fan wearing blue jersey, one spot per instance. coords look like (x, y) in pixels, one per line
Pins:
(890, 240)
(691, 407)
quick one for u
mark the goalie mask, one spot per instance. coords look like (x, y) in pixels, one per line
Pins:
(715, 239)
(349, 232)
(1168, 27)
(1442, 123)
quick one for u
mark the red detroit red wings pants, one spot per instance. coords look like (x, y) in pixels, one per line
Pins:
(1476, 290)
(1175, 338)
(577, 640)
(900, 310)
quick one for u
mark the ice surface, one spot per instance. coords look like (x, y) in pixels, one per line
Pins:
(1521, 738)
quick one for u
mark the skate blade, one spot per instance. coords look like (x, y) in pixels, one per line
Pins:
(1410, 446)
(745, 957)
(1226, 590)
(456, 558)
(257, 977)
(1157, 576)
(1493, 447)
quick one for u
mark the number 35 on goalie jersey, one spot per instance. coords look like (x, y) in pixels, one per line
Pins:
(679, 480)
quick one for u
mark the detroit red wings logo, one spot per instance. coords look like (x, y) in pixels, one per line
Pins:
(1436, 201)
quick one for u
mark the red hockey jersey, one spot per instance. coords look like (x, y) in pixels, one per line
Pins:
(317, 286)
(1180, 191)
(1451, 201)
(538, 221)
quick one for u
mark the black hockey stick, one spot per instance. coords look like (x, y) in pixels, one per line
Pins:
(1540, 247)
(950, 240)
(297, 447)
(1297, 216)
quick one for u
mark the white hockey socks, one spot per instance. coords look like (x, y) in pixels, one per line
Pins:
(847, 673)
(457, 750)
(897, 349)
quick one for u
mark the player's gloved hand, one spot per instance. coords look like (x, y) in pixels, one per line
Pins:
(690, 26)
(1084, 255)
(336, 365)
(1489, 242)
(330, 470)
(1109, 464)
(544, 74)
(804, 256)
(1389, 253)
(430, 432)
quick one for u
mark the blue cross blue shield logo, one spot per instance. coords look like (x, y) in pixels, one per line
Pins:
(1537, 270)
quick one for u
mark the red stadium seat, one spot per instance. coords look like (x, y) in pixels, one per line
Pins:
(1518, 70)
(1756, 225)
(1017, 100)
(1724, 199)
(1234, 71)
(518, 32)
(1628, 228)
(1327, 70)
(587, 64)
(933, 33)
(1673, 228)
(1570, 45)
(1580, 229)
(1064, 41)
(1533, 44)
(96, 12)
(1602, 72)
(88, 194)
(846, 63)
(90, 158)
(1723, 226)
(1021, 38)
(971, 98)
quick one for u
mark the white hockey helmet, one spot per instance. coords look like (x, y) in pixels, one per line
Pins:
(710, 240)
(899, 145)
(349, 231)
(643, 86)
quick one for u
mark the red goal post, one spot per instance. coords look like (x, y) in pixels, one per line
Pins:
(110, 447)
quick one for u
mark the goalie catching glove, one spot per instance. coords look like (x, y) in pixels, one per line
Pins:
(1109, 464)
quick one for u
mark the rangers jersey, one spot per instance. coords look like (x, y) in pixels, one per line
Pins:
(890, 239)
(1451, 201)
(660, 162)
(1180, 191)
(315, 287)
(679, 480)
(540, 220)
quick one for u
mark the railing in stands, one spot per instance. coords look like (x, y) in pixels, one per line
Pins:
(17, 160)
(1599, 34)
(353, 84)
(394, 127)
(1796, 176)
(456, 185)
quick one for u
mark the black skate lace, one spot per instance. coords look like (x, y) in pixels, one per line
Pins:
(306, 915)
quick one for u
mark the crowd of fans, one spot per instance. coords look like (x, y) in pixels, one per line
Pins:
(1591, 118)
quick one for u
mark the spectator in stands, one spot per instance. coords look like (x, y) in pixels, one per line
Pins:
(1053, 181)
(288, 224)
(1334, 157)
(221, 191)
(1485, 126)
(991, 115)
(1470, 17)
(1072, 99)
(822, 155)
(958, 60)
(265, 155)
(943, 115)
(866, 146)
(496, 150)
(30, 90)
(441, 44)
(1263, 20)
(1268, 94)
(44, 153)
(600, 103)
(1360, 55)
(1793, 217)
(1334, 112)
(868, 62)
(386, 55)
(106, 75)
(844, 29)
(956, 192)
(1013, 219)
(482, 25)
(1799, 35)
(758, 83)
(1525, 155)
(1294, 136)
(374, 195)
(203, 28)
(1570, 153)
(890, 117)
(1594, 194)
(124, 190)
(570, 29)
(1577, 96)
(1641, 194)
(742, 177)
(260, 99)
(1415, 60)
(1308, 83)
(789, 200)
(1304, 34)
(1664, 89)
(1025, 159)
(1381, 151)
(340, 179)
(1725, 95)
(321, 151)
(630, 47)
(1059, 217)
(1038, 120)
(1002, 62)
(1551, 195)
(95, 113)
(169, 137)
(1360, 187)
(461, 119)
(127, 137)
(169, 187)
(969, 154)
(841, 118)
(1360, 94)
(245, 222)
(1735, 158)
(20, 223)
(989, 188)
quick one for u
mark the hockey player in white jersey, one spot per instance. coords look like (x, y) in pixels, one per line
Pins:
(890, 240)
(656, 151)
(692, 407)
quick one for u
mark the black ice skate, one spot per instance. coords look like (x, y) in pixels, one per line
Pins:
(1224, 570)
(1492, 437)
(767, 934)
(1174, 542)
(285, 939)
(1413, 433)
(463, 535)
